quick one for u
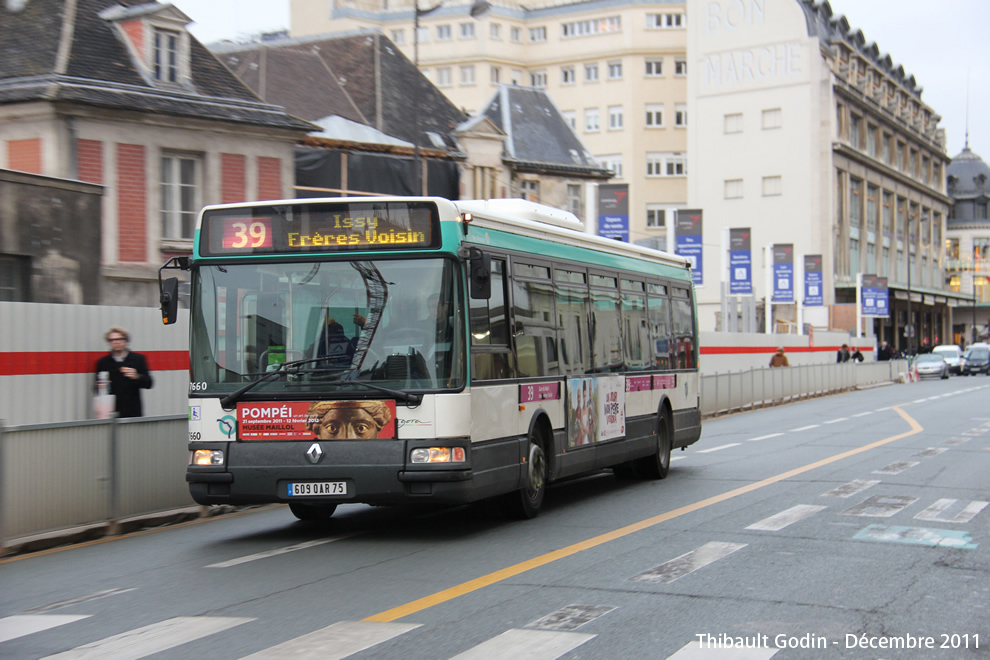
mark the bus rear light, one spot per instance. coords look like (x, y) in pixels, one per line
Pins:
(438, 455)
(206, 457)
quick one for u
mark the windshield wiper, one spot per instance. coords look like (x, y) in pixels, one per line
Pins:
(283, 368)
(408, 397)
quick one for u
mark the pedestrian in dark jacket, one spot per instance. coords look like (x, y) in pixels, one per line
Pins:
(884, 353)
(128, 373)
(842, 355)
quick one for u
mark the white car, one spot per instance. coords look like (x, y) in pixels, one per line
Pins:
(952, 355)
(931, 365)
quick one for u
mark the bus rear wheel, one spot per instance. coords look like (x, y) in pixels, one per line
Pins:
(658, 465)
(312, 512)
(525, 503)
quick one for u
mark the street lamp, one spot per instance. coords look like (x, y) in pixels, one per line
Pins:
(477, 9)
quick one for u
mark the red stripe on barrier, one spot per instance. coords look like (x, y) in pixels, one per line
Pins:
(81, 362)
(749, 350)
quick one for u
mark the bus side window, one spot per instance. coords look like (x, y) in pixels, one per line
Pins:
(606, 331)
(533, 304)
(684, 329)
(658, 312)
(573, 330)
(491, 357)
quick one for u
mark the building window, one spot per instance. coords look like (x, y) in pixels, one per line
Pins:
(180, 195)
(496, 75)
(467, 75)
(591, 72)
(615, 117)
(575, 201)
(423, 35)
(398, 37)
(517, 76)
(656, 218)
(538, 79)
(515, 34)
(771, 118)
(443, 33)
(570, 117)
(680, 67)
(611, 162)
(654, 67)
(591, 120)
(885, 148)
(665, 164)
(733, 123)
(166, 45)
(665, 21)
(615, 70)
(654, 115)
(680, 115)
(733, 188)
(529, 190)
(538, 34)
(871, 140)
(467, 30)
(593, 26)
(443, 77)
(15, 275)
(495, 30)
(855, 126)
(567, 75)
(772, 186)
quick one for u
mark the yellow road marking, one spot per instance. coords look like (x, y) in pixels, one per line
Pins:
(511, 571)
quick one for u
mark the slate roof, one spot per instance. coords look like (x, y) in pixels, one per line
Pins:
(968, 176)
(99, 71)
(539, 138)
(360, 76)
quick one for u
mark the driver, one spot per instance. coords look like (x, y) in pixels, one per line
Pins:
(347, 420)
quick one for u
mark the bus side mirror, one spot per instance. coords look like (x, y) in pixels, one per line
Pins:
(480, 268)
(169, 298)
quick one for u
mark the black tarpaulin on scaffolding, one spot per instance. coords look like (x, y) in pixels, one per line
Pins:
(386, 174)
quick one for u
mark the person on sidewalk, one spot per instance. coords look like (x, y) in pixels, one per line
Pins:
(128, 373)
(779, 359)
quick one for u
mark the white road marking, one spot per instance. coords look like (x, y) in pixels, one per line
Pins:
(863, 414)
(697, 651)
(880, 506)
(765, 437)
(12, 627)
(570, 617)
(157, 637)
(882, 409)
(689, 562)
(805, 428)
(336, 641)
(518, 644)
(936, 511)
(931, 451)
(779, 521)
(919, 400)
(834, 421)
(280, 551)
(76, 601)
(851, 488)
(896, 468)
(706, 451)
(955, 441)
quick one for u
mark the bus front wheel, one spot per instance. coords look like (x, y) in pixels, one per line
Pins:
(312, 512)
(525, 503)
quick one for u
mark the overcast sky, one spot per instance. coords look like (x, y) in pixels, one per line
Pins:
(941, 43)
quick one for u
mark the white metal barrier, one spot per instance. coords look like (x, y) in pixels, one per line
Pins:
(98, 472)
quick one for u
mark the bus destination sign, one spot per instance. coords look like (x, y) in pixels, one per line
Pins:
(325, 228)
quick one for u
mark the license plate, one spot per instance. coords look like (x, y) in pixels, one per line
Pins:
(317, 488)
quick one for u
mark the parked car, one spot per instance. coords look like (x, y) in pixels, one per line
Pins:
(976, 360)
(930, 365)
(952, 354)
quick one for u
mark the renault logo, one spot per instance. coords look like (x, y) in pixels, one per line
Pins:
(314, 453)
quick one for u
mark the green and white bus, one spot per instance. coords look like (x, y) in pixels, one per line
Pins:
(396, 350)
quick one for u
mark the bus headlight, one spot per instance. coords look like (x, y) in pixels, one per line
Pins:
(438, 455)
(206, 457)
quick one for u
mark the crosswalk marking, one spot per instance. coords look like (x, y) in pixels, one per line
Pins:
(570, 617)
(931, 451)
(896, 468)
(12, 627)
(518, 644)
(280, 551)
(851, 488)
(956, 441)
(880, 506)
(695, 651)
(779, 521)
(336, 641)
(689, 562)
(945, 538)
(157, 637)
(937, 510)
(706, 451)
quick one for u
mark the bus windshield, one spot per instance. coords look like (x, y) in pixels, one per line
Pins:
(394, 323)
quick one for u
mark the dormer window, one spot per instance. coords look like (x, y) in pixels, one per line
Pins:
(166, 55)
